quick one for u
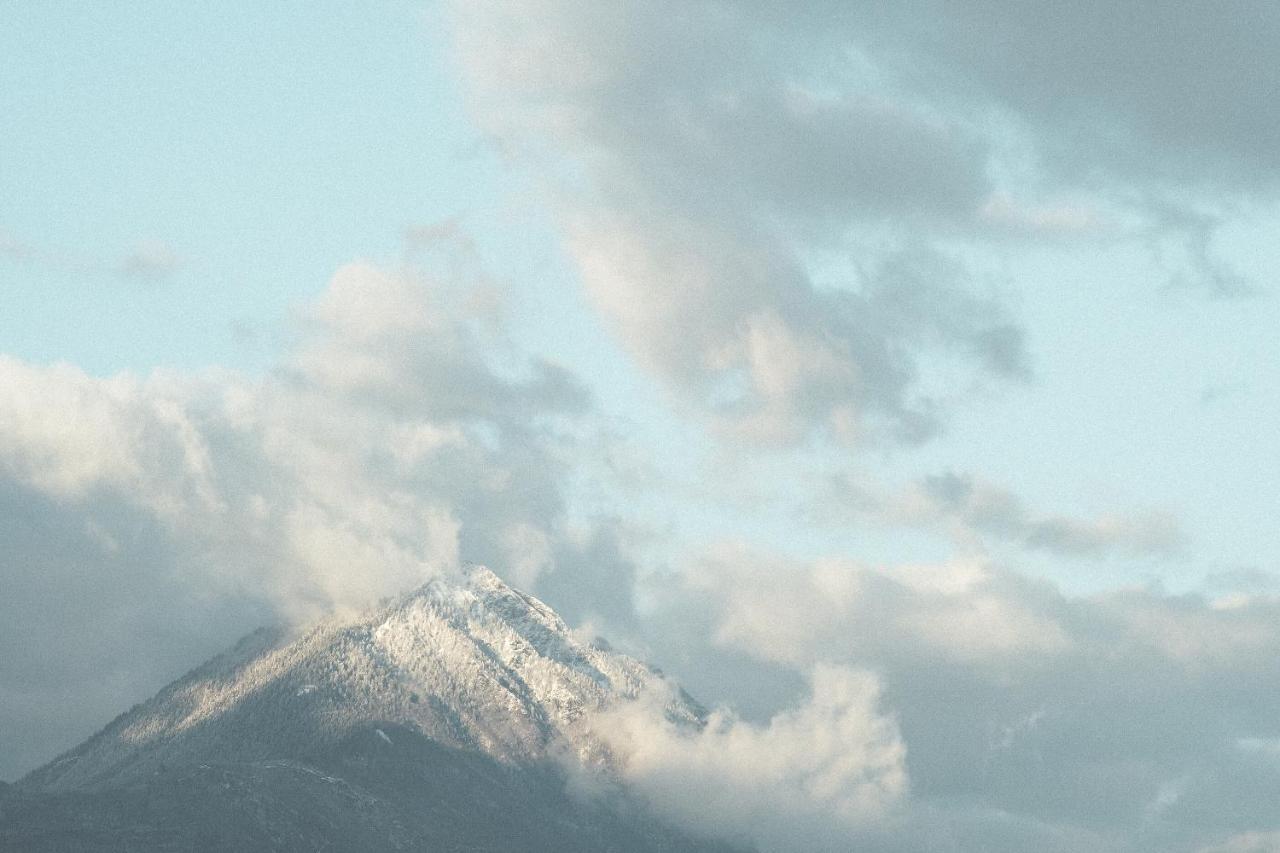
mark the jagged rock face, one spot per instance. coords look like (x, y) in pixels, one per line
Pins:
(429, 721)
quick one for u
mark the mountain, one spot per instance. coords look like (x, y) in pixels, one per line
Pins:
(445, 720)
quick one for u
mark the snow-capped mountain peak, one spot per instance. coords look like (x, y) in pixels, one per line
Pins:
(465, 661)
(445, 719)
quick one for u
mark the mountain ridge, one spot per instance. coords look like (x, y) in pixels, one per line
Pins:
(446, 716)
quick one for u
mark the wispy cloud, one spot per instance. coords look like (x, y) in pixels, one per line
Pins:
(971, 509)
(148, 261)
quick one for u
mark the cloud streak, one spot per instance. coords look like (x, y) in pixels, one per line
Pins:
(977, 512)
(986, 509)
(148, 261)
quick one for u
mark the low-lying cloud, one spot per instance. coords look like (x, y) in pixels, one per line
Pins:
(1030, 719)
(811, 778)
(401, 436)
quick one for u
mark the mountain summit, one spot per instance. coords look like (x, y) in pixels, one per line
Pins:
(442, 720)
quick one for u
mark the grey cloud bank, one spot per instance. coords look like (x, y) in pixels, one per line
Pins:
(1130, 720)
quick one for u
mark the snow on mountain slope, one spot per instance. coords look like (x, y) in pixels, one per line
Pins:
(471, 665)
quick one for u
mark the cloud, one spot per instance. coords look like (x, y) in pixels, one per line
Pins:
(1062, 219)
(955, 706)
(1148, 94)
(1030, 719)
(958, 613)
(98, 612)
(1166, 113)
(734, 181)
(809, 779)
(150, 260)
(988, 509)
(15, 248)
(1202, 268)
(389, 343)
(975, 511)
(1247, 842)
(774, 208)
(711, 174)
(742, 336)
(1246, 580)
(403, 434)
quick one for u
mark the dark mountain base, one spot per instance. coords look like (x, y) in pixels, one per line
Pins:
(367, 795)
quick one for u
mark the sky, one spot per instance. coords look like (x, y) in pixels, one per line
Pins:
(898, 379)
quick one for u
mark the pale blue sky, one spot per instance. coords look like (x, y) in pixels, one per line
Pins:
(264, 144)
